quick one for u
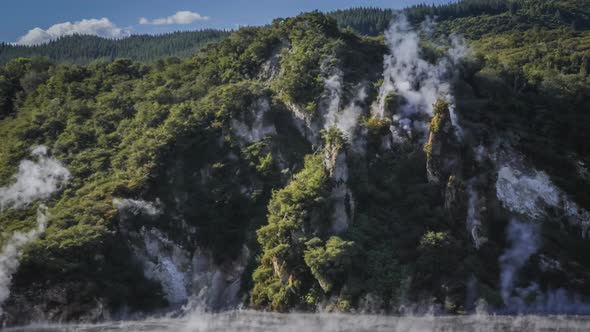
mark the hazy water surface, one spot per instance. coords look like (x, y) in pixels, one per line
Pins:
(256, 321)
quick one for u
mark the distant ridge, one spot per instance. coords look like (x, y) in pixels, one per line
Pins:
(82, 49)
(512, 14)
(504, 15)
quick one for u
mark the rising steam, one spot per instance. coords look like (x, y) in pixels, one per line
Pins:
(418, 82)
(136, 206)
(473, 217)
(36, 179)
(523, 240)
(12, 251)
(258, 127)
(330, 103)
(527, 192)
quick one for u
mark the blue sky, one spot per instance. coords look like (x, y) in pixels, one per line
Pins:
(18, 17)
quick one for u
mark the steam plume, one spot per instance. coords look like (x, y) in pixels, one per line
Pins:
(523, 240)
(12, 251)
(331, 102)
(36, 179)
(418, 82)
(136, 207)
(259, 126)
(473, 218)
(529, 192)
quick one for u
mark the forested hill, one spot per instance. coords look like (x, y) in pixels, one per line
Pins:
(500, 14)
(81, 49)
(478, 16)
(303, 166)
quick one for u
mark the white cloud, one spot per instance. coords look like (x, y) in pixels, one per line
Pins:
(181, 17)
(98, 27)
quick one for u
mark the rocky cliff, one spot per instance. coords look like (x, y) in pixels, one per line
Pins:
(294, 166)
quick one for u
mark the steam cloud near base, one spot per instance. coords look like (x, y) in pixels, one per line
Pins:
(36, 179)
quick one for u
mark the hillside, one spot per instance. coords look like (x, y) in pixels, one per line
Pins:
(79, 49)
(500, 14)
(484, 16)
(304, 166)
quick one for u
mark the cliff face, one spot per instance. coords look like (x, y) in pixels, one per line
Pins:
(294, 166)
(443, 147)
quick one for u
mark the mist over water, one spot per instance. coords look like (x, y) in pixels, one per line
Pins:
(250, 321)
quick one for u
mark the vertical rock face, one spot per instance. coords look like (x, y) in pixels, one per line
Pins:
(164, 262)
(304, 123)
(455, 198)
(442, 151)
(528, 192)
(194, 278)
(271, 67)
(253, 125)
(226, 163)
(475, 205)
(341, 195)
(217, 286)
(444, 166)
(185, 276)
(57, 303)
(443, 163)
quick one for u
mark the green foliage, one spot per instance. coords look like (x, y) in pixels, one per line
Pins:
(396, 205)
(377, 126)
(428, 149)
(473, 18)
(344, 305)
(392, 103)
(82, 49)
(433, 241)
(459, 9)
(330, 263)
(18, 77)
(366, 21)
(295, 213)
(552, 60)
(438, 256)
(124, 128)
(333, 138)
(293, 206)
(163, 131)
(312, 47)
(440, 113)
(533, 68)
(374, 21)
(259, 156)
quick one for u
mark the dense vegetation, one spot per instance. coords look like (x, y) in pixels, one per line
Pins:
(483, 16)
(169, 132)
(124, 128)
(81, 49)
(367, 21)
